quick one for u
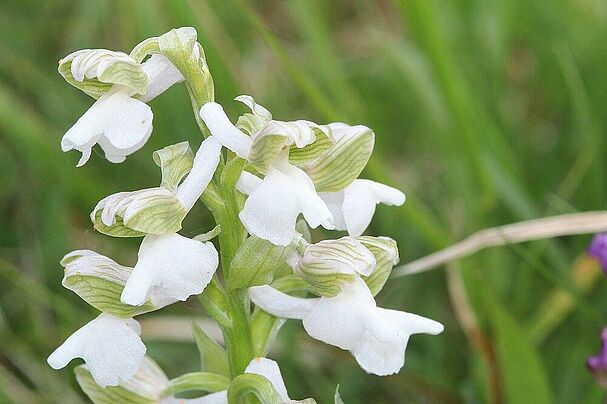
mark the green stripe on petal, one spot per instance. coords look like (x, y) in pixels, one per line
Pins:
(386, 255)
(99, 281)
(330, 265)
(314, 150)
(343, 162)
(95, 71)
(134, 214)
(175, 162)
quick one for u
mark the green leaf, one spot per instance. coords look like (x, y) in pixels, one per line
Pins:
(255, 262)
(213, 357)
(524, 377)
(175, 162)
(197, 381)
(343, 162)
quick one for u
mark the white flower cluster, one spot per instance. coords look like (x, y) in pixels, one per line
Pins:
(288, 169)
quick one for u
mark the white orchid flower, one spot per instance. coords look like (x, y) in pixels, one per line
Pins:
(170, 267)
(119, 121)
(354, 206)
(274, 203)
(110, 346)
(351, 320)
(158, 210)
(259, 366)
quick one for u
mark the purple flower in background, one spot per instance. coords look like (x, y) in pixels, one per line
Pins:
(598, 364)
(598, 249)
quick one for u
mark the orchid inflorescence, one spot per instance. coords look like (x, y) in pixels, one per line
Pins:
(271, 173)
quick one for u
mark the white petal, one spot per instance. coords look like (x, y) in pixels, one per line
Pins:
(224, 131)
(360, 199)
(340, 320)
(205, 164)
(271, 210)
(280, 304)
(109, 345)
(256, 108)
(335, 201)
(381, 350)
(121, 125)
(247, 182)
(162, 74)
(270, 370)
(170, 267)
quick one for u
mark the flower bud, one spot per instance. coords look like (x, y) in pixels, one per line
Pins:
(330, 265)
(95, 71)
(99, 281)
(385, 251)
(342, 163)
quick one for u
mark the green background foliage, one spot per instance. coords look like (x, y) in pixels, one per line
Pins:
(486, 112)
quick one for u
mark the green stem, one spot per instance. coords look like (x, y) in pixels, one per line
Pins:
(238, 339)
(230, 309)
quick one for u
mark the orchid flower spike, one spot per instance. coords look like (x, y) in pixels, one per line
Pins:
(110, 346)
(120, 121)
(274, 203)
(160, 210)
(351, 320)
(354, 206)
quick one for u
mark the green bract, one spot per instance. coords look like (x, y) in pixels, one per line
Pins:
(175, 162)
(343, 162)
(386, 255)
(99, 281)
(95, 71)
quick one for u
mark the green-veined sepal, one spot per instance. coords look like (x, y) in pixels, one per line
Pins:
(386, 255)
(331, 265)
(343, 162)
(95, 71)
(136, 213)
(175, 162)
(99, 281)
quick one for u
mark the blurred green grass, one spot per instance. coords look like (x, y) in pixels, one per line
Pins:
(486, 112)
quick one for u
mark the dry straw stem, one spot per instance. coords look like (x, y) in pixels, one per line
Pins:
(537, 229)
